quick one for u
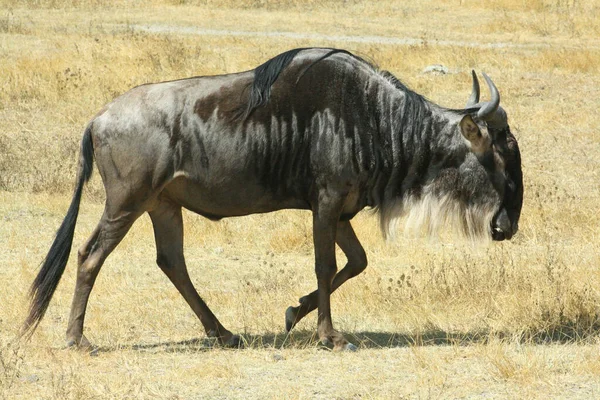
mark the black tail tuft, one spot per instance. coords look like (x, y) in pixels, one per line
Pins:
(45, 283)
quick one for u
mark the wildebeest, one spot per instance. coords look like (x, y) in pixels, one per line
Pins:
(316, 129)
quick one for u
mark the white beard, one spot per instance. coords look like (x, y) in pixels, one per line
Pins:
(428, 214)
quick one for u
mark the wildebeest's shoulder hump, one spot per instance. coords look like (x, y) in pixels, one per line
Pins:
(267, 73)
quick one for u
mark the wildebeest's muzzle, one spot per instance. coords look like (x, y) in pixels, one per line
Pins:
(502, 227)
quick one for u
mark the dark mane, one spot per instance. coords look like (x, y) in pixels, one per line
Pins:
(266, 74)
(416, 96)
(401, 86)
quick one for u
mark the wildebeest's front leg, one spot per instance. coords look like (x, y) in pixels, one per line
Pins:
(168, 232)
(325, 220)
(357, 262)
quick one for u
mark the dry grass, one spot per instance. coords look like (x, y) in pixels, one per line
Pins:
(432, 319)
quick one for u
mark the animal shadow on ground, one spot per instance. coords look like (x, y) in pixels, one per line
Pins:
(302, 339)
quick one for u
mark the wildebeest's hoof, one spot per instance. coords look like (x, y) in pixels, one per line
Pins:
(234, 342)
(326, 343)
(290, 318)
(228, 340)
(82, 345)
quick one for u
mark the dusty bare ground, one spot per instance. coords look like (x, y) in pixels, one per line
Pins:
(432, 319)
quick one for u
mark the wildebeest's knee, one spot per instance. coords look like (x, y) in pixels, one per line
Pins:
(163, 262)
(361, 260)
(82, 254)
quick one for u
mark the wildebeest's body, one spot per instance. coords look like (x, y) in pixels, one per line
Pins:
(279, 154)
(331, 134)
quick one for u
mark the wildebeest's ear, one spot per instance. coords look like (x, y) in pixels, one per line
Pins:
(477, 136)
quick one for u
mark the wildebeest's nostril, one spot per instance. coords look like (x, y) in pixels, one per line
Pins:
(498, 234)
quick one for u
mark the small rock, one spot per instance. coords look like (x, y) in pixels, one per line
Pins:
(437, 69)
(31, 378)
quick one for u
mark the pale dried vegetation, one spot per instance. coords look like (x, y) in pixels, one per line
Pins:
(431, 318)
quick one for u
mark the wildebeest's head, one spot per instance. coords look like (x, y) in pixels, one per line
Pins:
(496, 157)
(474, 184)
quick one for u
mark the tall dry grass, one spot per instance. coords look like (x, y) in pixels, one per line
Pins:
(446, 319)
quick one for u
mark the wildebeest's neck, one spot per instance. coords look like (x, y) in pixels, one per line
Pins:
(414, 135)
(418, 140)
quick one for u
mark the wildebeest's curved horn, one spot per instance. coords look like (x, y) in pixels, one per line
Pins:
(474, 99)
(488, 109)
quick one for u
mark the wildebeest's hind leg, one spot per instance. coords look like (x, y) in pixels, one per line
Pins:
(107, 235)
(357, 262)
(168, 232)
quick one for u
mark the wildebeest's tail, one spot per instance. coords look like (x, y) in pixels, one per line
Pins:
(45, 283)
